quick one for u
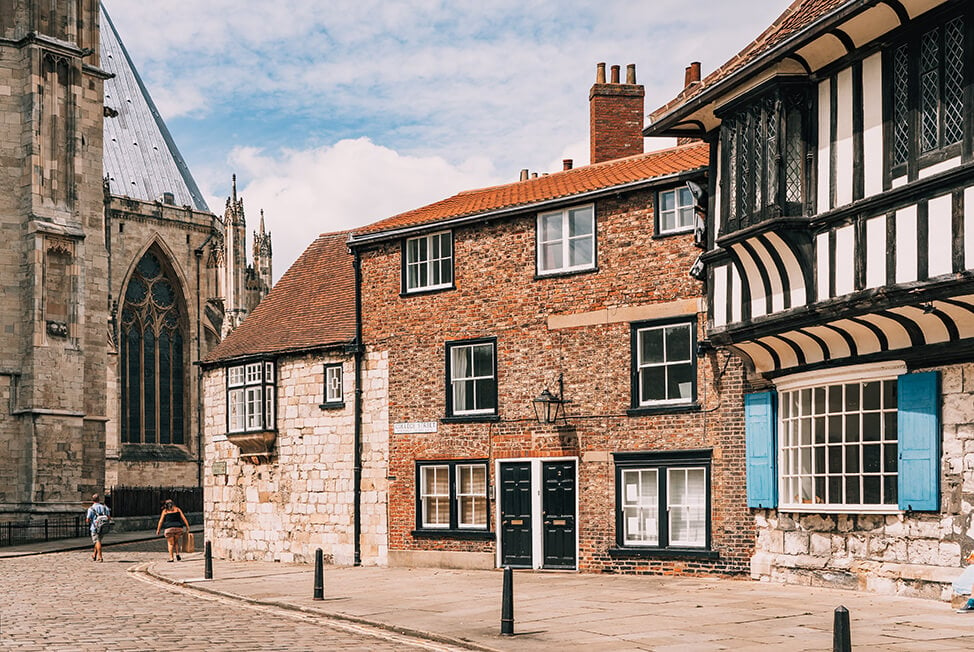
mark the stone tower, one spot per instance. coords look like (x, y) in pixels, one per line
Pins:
(54, 315)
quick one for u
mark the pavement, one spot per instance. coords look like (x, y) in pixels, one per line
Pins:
(566, 610)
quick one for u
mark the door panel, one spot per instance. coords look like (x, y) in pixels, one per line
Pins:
(558, 503)
(516, 514)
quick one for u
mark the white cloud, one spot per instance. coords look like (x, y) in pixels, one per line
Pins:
(352, 183)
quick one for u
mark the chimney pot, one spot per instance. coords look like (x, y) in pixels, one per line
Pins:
(524, 174)
(615, 74)
(534, 175)
(631, 73)
(600, 73)
(566, 164)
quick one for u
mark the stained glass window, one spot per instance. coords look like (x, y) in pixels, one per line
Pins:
(152, 364)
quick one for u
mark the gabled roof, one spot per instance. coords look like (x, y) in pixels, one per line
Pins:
(559, 185)
(141, 159)
(798, 17)
(311, 307)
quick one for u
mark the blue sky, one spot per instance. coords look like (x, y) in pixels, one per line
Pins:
(337, 114)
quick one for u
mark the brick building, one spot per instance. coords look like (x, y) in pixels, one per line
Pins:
(115, 276)
(295, 427)
(840, 268)
(565, 292)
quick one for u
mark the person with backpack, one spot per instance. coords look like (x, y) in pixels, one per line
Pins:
(173, 520)
(99, 518)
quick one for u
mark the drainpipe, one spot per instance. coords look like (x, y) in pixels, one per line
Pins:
(358, 351)
(199, 370)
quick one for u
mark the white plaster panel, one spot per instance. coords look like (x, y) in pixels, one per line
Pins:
(796, 278)
(754, 282)
(969, 227)
(737, 299)
(843, 138)
(939, 236)
(899, 181)
(872, 123)
(824, 149)
(822, 263)
(937, 168)
(876, 252)
(719, 311)
(777, 289)
(906, 244)
(845, 263)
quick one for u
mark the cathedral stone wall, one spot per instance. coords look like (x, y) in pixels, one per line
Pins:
(301, 498)
(912, 554)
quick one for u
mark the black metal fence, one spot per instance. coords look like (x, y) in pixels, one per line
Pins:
(147, 501)
(47, 529)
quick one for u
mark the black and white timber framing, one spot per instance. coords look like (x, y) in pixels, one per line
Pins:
(854, 240)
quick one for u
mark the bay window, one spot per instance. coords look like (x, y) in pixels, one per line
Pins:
(250, 397)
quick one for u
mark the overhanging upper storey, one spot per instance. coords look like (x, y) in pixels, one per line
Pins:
(841, 224)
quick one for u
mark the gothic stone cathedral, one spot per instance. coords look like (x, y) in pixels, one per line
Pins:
(115, 277)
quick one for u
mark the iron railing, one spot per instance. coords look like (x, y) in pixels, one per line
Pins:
(147, 501)
(48, 529)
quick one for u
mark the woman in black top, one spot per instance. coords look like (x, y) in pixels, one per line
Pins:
(173, 520)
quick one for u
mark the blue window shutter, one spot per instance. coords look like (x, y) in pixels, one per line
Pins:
(760, 424)
(918, 433)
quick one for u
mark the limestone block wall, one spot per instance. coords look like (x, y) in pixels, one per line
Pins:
(910, 554)
(301, 499)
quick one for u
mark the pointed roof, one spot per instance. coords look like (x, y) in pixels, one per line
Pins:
(141, 159)
(311, 307)
(564, 185)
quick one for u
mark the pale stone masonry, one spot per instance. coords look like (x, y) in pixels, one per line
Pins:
(910, 554)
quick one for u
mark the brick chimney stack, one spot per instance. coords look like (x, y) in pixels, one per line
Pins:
(615, 115)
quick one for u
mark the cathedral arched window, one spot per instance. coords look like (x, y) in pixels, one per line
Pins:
(151, 346)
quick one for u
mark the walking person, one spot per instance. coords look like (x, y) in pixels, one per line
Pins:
(97, 517)
(172, 522)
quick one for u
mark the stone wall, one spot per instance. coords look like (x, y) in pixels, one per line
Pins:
(301, 499)
(910, 554)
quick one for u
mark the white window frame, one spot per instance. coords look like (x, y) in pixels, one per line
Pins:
(687, 507)
(334, 384)
(456, 382)
(430, 265)
(564, 241)
(677, 212)
(425, 496)
(644, 509)
(790, 452)
(251, 397)
(478, 498)
(690, 326)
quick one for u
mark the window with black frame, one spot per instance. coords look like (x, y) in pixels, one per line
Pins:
(764, 157)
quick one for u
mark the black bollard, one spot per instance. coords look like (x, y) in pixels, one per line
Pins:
(319, 575)
(507, 603)
(208, 561)
(841, 636)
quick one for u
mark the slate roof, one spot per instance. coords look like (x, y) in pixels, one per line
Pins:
(311, 307)
(141, 159)
(565, 184)
(799, 16)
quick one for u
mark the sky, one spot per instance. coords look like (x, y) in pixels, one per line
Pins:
(335, 114)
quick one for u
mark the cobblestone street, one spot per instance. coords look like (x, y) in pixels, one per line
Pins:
(64, 601)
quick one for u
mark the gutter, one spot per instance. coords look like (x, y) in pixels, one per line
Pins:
(823, 24)
(358, 350)
(354, 240)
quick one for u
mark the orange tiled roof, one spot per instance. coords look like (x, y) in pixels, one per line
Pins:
(800, 15)
(311, 306)
(553, 186)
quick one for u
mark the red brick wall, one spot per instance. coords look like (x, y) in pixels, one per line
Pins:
(615, 121)
(497, 295)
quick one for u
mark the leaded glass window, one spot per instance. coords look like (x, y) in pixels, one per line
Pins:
(764, 161)
(152, 356)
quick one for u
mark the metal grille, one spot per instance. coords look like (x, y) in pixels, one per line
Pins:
(954, 81)
(731, 144)
(771, 135)
(758, 166)
(929, 90)
(901, 105)
(794, 153)
(743, 171)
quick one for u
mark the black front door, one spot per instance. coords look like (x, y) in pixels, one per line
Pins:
(558, 503)
(516, 514)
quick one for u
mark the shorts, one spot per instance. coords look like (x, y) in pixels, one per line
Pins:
(96, 537)
(172, 532)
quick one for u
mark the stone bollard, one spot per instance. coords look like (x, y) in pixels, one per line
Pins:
(319, 575)
(507, 603)
(841, 635)
(208, 561)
